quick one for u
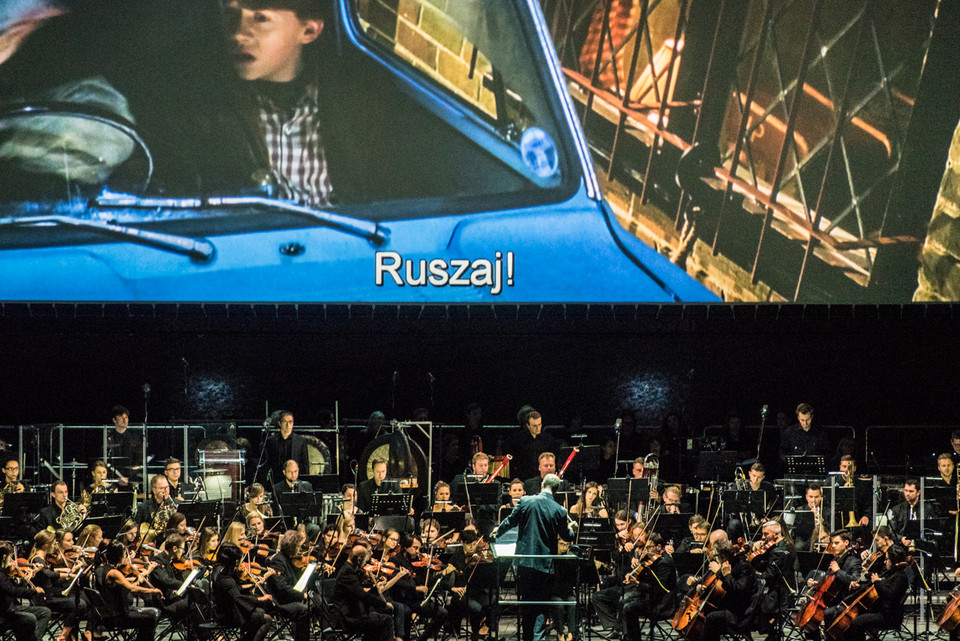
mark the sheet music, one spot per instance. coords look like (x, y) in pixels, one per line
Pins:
(305, 577)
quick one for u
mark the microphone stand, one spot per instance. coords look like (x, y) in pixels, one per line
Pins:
(763, 421)
(263, 450)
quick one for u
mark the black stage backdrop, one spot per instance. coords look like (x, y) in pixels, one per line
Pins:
(857, 365)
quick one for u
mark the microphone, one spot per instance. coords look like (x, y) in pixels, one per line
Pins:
(184, 361)
(146, 388)
(618, 425)
(354, 464)
(763, 411)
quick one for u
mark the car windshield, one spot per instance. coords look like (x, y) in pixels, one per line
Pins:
(399, 110)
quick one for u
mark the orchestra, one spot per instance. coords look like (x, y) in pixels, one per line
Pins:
(823, 555)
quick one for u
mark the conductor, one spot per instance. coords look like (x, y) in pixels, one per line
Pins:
(541, 520)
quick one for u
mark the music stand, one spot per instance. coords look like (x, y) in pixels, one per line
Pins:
(480, 493)
(447, 520)
(299, 505)
(325, 483)
(806, 465)
(109, 525)
(619, 488)
(24, 505)
(111, 503)
(596, 532)
(195, 512)
(389, 504)
(673, 526)
(714, 466)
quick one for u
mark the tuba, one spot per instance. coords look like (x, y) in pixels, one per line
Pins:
(71, 517)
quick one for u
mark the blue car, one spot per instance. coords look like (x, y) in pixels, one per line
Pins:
(465, 178)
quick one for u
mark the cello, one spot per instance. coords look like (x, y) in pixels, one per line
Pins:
(822, 595)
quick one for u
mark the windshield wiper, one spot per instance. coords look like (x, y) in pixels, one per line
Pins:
(373, 232)
(199, 250)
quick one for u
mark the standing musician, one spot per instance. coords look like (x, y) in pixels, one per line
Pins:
(28, 622)
(290, 603)
(52, 583)
(775, 561)
(234, 608)
(124, 448)
(372, 485)
(362, 610)
(737, 579)
(654, 578)
(590, 503)
(887, 612)
(49, 516)
(152, 515)
(282, 446)
(115, 588)
(540, 521)
(474, 586)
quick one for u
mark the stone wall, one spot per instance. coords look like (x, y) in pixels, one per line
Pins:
(939, 275)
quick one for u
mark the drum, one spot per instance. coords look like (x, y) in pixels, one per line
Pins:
(320, 461)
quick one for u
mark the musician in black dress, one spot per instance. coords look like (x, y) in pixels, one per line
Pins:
(362, 609)
(233, 607)
(28, 622)
(655, 578)
(115, 588)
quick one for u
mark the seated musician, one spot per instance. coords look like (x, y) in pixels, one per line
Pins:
(12, 483)
(349, 503)
(168, 579)
(672, 501)
(291, 482)
(654, 581)
(290, 603)
(442, 502)
(49, 515)
(863, 501)
(256, 529)
(89, 538)
(28, 622)
(695, 541)
(737, 580)
(371, 486)
(515, 492)
(564, 617)
(236, 534)
(52, 582)
(410, 590)
(64, 545)
(474, 587)
(176, 524)
(887, 612)
(256, 502)
(757, 479)
(172, 471)
(947, 471)
(115, 588)
(546, 464)
(429, 532)
(362, 610)
(233, 607)
(906, 512)
(845, 569)
(809, 529)
(479, 472)
(209, 541)
(590, 504)
(152, 514)
(98, 485)
(776, 561)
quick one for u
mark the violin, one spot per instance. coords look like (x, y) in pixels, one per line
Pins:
(303, 561)
(760, 551)
(432, 563)
(643, 565)
(186, 564)
(378, 567)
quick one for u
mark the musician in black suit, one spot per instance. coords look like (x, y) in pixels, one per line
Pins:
(540, 520)
(909, 510)
(362, 610)
(738, 580)
(291, 603)
(147, 510)
(887, 612)
(28, 622)
(656, 586)
(233, 608)
(283, 446)
(776, 567)
(371, 486)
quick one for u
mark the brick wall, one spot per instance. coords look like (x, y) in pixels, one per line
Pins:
(422, 34)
